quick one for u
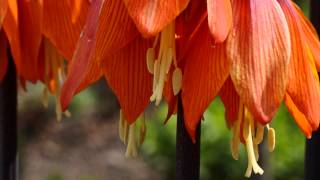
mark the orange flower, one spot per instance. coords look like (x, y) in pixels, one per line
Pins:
(27, 26)
(112, 44)
(301, 96)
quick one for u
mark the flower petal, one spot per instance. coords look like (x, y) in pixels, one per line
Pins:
(3, 55)
(309, 34)
(219, 18)
(127, 74)
(206, 69)
(108, 29)
(3, 10)
(298, 116)
(259, 48)
(303, 87)
(231, 101)
(83, 55)
(63, 21)
(151, 17)
(23, 28)
(30, 14)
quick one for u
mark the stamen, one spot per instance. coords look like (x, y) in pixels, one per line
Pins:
(236, 134)
(259, 134)
(132, 143)
(162, 65)
(271, 139)
(176, 81)
(156, 74)
(45, 97)
(122, 125)
(252, 162)
(58, 108)
(128, 136)
(150, 60)
(54, 76)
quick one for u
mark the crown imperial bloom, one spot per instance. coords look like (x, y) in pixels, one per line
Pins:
(255, 54)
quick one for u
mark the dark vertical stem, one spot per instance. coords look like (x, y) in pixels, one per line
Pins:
(188, 153)
(8, 124)
(312, 156)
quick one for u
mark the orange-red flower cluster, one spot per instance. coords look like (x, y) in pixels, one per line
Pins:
(255, 54)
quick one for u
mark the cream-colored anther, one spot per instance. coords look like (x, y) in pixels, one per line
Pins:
(150, 60)
(156, 75)
(169, 58)
(176, 81)
(67, 113)
(132, 143)
(236, 134)
(259, 134)
(45, 97)
(256, 150)
(271, 139)
(247, 134)
(121, 126)
(234, 145)
(58, 108)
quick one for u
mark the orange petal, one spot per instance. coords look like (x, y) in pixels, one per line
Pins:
(3, 55)
(29, 18)
(303, 82)
(309, 34)
(151, 17)
(219, 18)
(83, 55)
(105, 33)
(205, 71)
(63, 21)
(93, 74)
(231, 101)
(127, 74)
(23, 28)
(298, 116)
(116, 29)
(259, 48)
(10, 27)
(3, 10)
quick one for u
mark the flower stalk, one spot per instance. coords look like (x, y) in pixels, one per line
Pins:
(187, 152)
(8, 124)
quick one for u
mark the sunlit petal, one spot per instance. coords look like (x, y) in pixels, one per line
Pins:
(151, 17)
(259, 48)
(220, 18)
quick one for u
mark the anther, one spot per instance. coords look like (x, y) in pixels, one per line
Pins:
(176, 81)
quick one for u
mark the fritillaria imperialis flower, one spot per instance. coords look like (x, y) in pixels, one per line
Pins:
(150, 49)
(301, 96)
(33, 33)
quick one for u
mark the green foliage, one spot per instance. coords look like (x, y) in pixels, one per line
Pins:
(54, 177)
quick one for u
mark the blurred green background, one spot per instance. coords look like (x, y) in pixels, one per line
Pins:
(86, 146)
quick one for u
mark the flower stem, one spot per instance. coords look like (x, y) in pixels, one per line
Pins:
(8, 123)
(312, 155)
(187, 152)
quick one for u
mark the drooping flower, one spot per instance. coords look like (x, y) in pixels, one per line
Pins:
(26, 31)
(119, 51)
(302, 95)
(150, 49)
